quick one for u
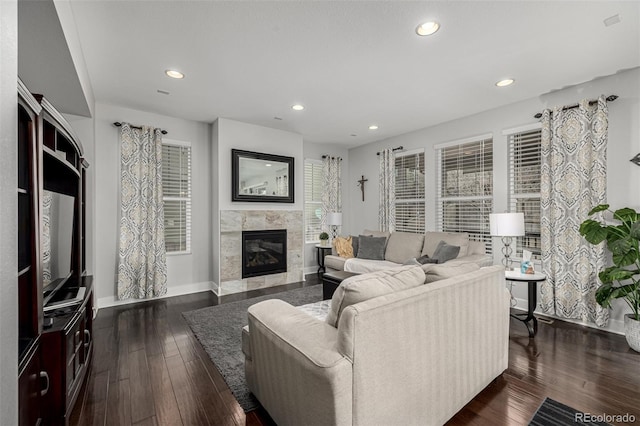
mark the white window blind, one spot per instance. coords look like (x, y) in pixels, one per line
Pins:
(312, 200)
(410, 203)
(524, 186)
(176, 186)
(465, 188)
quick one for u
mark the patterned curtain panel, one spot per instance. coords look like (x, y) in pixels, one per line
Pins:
(332, 193)
(573, 180)
(387, 191)
(142, 266)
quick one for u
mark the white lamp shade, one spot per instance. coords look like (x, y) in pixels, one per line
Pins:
(506, 224)
(334, 218)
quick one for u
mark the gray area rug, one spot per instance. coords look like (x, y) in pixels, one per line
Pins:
(219, 330)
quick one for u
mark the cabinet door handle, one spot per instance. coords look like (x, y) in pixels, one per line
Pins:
(87, 338)
(45, 376)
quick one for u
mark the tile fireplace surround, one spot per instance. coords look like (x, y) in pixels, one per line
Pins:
(232, 223)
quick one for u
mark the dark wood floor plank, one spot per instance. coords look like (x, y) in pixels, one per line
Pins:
(142, 403)
(94, 411)
(166, 406)
(119, 404)
(585, 368)
(217, 412)
(191, 409)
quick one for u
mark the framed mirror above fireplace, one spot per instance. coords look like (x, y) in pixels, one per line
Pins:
(260, 177)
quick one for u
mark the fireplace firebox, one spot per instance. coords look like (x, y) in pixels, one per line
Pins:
(264, 252)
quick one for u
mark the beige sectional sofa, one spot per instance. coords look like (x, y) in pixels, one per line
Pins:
(401, 247)
(392, 350)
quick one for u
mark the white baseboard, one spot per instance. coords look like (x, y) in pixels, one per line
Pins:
(310, 270)
(105, 302)
(614, 325)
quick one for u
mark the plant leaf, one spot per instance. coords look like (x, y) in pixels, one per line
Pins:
(625, 259)
(616, 274)
(603, 295)
(620, 247)
(593, 231)
(635, 230)
(599, 208)
(626, 215)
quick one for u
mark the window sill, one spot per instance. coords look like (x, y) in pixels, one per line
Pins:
(178, 253)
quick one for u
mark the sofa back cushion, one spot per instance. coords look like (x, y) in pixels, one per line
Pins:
(363, 287)
(402, 246)
(432, 239)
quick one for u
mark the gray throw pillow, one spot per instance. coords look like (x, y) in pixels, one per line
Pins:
(355, 245)
(371, 247)
(412, 261)
(426, 259)
(445, 252)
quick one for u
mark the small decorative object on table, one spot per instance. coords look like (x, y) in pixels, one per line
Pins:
(526, 266)
(324, 239)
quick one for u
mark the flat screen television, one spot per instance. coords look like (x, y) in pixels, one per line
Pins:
(57, 241)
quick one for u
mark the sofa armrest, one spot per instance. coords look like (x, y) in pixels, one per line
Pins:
(298, 375)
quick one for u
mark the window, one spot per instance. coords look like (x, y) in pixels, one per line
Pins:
(410, 216)
(465, 187)
(312, 200)
(176, 186)
(524, 185)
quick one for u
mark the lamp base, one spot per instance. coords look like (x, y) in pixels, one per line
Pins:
(506, 251)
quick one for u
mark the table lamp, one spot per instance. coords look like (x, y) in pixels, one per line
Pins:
(506, 225)
(334, 219)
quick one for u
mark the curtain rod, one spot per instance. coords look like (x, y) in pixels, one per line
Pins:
(331, 156)
(119, 124)
(609, 98)
(398, 148)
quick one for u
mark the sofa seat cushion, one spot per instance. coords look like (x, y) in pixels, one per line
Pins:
(367, 286)
(402, 246)
(435, 272)
(363, 266)
(432, 239)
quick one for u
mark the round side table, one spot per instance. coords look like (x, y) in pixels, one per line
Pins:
(532, 279)
(321, 254)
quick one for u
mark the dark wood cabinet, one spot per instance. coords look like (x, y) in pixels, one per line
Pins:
(55, 297)
(66, 355)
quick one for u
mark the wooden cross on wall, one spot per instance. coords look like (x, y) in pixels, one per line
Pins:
(361, 185)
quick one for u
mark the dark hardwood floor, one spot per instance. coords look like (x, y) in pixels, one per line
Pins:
(149, 369)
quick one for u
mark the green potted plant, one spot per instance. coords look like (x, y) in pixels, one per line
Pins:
(324, 239)
(622, 280)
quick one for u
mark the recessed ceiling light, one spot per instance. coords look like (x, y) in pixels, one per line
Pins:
(427, 28)
(297, 107)
(373, 127)
(505, 82)
(268, 164)
(174, 74)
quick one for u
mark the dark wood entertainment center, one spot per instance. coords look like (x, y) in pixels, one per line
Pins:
(55, 347)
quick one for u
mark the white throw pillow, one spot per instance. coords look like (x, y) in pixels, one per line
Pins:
(363, 287)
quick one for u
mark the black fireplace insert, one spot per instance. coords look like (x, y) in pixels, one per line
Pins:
(264, 252)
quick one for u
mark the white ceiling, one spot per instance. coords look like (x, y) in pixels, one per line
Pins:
(351, 63)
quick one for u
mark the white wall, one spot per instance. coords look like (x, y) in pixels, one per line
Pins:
(229, 134)
(186, 273)
(8, 213)
(623, 176)
(315, 151)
